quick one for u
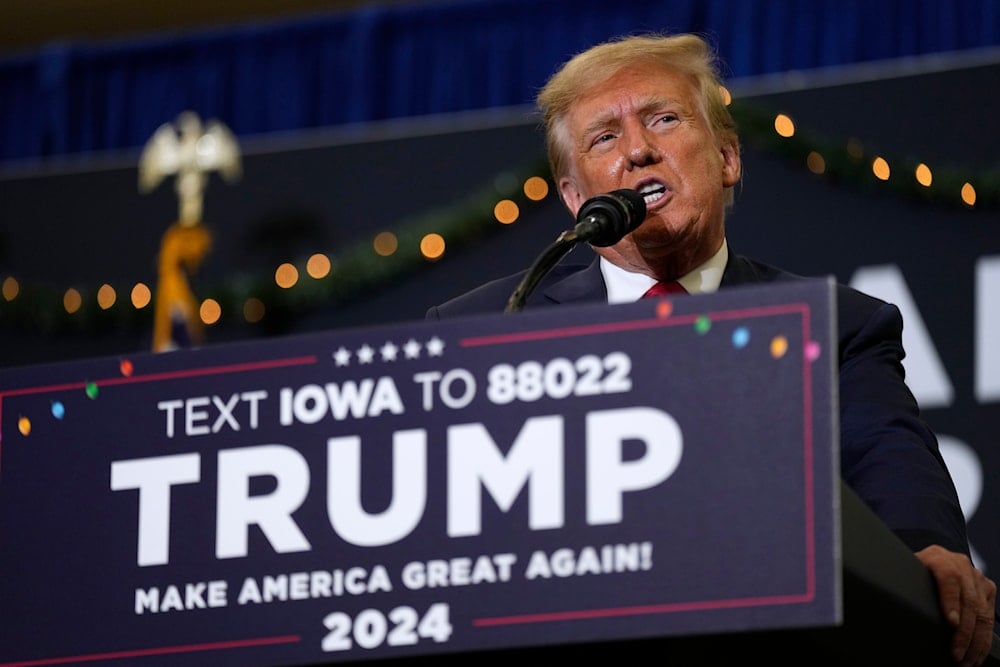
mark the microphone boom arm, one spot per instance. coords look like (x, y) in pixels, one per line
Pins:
(543, 264)
(601, 221)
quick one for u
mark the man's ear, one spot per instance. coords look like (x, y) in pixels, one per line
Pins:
(732, 165)
(570, 194)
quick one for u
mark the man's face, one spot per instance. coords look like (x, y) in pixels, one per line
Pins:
(645, 129)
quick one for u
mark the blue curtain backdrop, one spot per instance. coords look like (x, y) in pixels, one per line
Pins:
(385, 62)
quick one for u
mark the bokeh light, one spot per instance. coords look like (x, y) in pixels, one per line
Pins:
(106, 296)
(880, 168)
(784, 126)
(210, 311)
(969, 194)
(10, 288)
(432, 246)
(286, 275)
(318, 266)
(72, 300)
(855, 149)
(385, 243)
(506, 211)
(536, 188)
(253, 310)
(815, 163)
(923, 175)
(141, 296)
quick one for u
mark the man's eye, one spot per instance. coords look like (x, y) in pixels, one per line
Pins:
(666, 118)
(601, 138)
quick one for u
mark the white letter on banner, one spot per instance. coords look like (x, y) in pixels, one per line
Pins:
(409, 490)
(988, 329)
(608, 474)
(153, 477)
(925, 374)
(473, 457)
(236, 509)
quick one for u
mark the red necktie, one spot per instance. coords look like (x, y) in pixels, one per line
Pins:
(664, 289)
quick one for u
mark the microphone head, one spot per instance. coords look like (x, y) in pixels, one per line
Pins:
(618, 212)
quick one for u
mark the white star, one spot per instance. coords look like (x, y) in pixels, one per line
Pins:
(342, 357)
(389, 351)
(412, 349)
(365, 354)
(435, 347)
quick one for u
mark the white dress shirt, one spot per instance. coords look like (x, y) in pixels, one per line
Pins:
(625, 286)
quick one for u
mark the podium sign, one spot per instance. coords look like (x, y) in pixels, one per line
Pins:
(580, 474)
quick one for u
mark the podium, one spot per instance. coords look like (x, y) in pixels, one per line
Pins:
(891, 618)
(531, 486)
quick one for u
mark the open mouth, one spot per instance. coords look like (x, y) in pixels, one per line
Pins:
(652, 192)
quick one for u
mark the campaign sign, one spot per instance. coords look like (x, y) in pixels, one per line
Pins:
(579, 474)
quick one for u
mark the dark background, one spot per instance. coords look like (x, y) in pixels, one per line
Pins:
(84, 227)
(321, 190)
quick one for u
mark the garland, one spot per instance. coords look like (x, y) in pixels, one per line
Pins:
(358, 270)
(849, 162)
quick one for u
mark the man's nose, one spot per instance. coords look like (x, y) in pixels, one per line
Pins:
(639, 148)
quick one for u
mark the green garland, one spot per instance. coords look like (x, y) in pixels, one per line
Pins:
(848, 162)
(358, 269)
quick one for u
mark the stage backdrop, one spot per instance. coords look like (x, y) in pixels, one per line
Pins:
(938, 260)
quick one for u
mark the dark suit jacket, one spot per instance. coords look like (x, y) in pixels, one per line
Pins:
(888, 455)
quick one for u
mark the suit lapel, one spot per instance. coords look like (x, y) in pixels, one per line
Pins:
(579, 286)
(739, 271)
(587, 284)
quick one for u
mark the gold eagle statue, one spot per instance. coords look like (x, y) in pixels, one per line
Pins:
(189, 151)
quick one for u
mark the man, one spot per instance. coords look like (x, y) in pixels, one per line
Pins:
(646, 113)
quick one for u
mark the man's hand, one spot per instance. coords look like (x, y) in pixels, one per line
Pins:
(967, 599)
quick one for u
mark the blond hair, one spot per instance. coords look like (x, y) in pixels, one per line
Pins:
(686, 53)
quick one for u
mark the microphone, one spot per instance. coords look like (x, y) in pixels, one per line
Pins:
(602, 221)
(605, 219)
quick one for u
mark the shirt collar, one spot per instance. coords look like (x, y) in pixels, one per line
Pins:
(625, 286)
